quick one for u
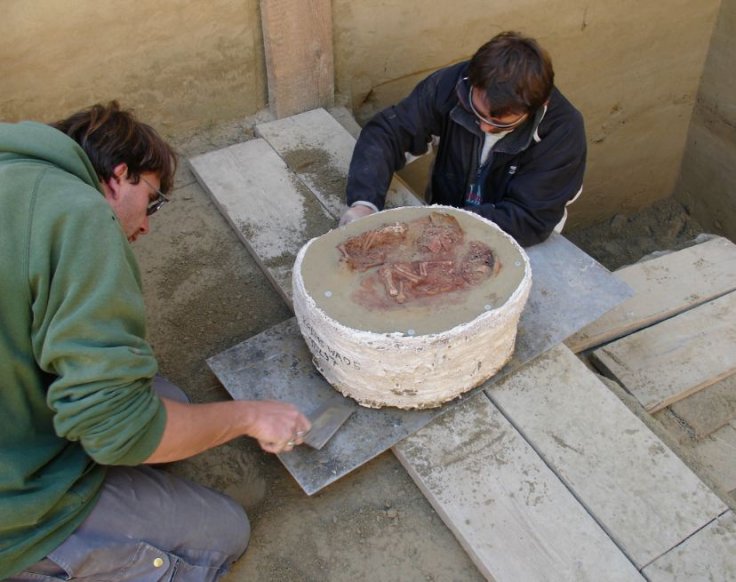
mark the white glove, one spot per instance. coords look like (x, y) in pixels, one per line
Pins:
(354, 213)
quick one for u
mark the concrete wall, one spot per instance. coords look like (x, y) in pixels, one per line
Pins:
(180, 63)
(707, 183)
(632, 67)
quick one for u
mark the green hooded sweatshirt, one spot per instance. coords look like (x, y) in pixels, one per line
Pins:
(75, 368)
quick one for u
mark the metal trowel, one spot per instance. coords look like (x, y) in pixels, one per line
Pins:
(325, 420)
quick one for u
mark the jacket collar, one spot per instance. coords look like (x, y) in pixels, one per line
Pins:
(515, 141)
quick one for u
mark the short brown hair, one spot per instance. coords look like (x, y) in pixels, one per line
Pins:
(515, 73)
(111, 136)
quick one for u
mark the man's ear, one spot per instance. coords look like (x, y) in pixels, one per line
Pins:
(112, 186)
(120, 171)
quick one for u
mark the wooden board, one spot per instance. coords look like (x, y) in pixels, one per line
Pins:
(677, 357)
(297, 38)
(272, 212)
(664, 287)
(707, 555)
(510, 512)
(716, 455)
(318, 149)
(640, 492)
(708, 410)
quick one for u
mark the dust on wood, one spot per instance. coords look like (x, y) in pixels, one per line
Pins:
(317, 165)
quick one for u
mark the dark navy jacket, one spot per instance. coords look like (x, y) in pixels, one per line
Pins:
(534, 171)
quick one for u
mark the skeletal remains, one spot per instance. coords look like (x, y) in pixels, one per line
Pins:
(416, 259)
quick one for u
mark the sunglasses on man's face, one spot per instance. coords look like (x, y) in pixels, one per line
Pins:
(156, 204)
(492, 122)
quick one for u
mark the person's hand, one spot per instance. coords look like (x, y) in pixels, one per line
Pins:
(278, 426)
(354, 213)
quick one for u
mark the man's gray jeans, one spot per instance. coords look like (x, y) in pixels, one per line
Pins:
(149, 525)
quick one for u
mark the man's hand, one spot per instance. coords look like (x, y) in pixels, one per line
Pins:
(278, 426)
(354, 213)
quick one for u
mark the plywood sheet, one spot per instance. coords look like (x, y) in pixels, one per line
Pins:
(677, 357)
(271, 210)
(664, 287)
(509, 511)
(641, 493)
(318, 149)
(709, 554)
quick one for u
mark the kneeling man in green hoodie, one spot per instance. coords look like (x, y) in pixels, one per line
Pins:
(83, 412)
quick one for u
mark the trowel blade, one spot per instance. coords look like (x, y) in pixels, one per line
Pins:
(326, 420)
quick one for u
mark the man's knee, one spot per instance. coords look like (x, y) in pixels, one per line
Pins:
(176, 522)
(174, 514)
(233, 529)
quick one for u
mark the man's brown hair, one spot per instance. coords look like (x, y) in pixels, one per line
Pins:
(111, 136)
(514, 72)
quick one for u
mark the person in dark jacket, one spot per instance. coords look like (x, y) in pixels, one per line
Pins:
(511, 147)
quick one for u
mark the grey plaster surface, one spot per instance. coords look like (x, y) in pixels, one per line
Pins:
(569, 290)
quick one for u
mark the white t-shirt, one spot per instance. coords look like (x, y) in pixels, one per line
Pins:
(489, 142)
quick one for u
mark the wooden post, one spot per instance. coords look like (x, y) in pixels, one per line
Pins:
(297, 36)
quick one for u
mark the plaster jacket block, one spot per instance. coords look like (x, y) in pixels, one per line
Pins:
(401, 354)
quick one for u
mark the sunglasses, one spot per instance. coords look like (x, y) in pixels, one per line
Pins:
(160, 200)
(491, 122)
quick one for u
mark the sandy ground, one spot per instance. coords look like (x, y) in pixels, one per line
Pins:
(205, 294)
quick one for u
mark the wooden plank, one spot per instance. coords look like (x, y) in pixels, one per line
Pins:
(677, 357)
(297, 38)
(708, 410)
(640, 492)
(510, 512)
(273, 213)
(710, 554)
(318, 149)
(664, 287)
(716, 454)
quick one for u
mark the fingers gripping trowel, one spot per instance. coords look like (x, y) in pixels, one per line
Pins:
(326, 420)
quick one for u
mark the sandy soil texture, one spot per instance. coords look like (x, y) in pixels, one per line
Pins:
(204, 294)
(623, 240)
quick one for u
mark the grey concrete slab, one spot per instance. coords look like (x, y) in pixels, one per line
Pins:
(569, 291)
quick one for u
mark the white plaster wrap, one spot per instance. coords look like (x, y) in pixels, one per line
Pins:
(421, 371)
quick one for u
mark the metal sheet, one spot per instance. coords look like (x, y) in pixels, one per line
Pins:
(326, 421)
(569, 291)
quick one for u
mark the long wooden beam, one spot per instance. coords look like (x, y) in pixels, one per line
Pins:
(297, 37)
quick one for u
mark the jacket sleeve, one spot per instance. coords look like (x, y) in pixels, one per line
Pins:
(535, 200)
(383, 143)
(89, 328)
